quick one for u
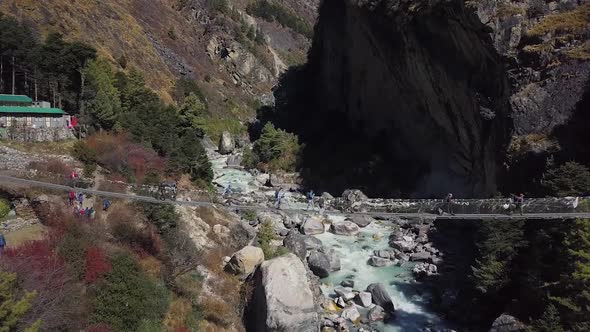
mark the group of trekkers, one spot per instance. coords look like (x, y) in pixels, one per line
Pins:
(310, 196)
(77, 201)
(515, 203)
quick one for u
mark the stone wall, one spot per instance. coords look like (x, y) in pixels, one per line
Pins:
(38, 134)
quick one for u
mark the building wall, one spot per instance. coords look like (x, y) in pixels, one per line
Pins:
(33, 120)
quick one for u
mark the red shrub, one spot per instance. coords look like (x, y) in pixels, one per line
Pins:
(54, 166)
(119, 154)
(181, 329)
(97, 264)
(58, 303)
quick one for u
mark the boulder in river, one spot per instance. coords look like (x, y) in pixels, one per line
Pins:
(345, 228)
(245, 261)
(422, 270)
(282, 298)
(345, 293)
(405, 246)
(319, 264)
(381, 297)
(376, 314)
(334, 259)
(226, 143)
(379, 262)
(351, 313)
(361, 221)
(421, 256)
(313, 225)
(347, 283)
(295, 243)
(364, 299)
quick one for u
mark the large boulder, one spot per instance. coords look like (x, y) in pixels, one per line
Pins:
(282, 300)
(334, 259)
(361, 221)
(313, 225)
(381, 297)
(351, 313)
(354, 196)
(507, 323)
(403, 245)
(421, 256)
(295, 243)
(376, 314)
(422, 270)
(226, 143)
(344, 228)
(245, 261)
(319, 264)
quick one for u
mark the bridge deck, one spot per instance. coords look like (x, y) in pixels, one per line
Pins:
(548, 216)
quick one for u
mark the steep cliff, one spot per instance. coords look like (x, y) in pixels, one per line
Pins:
(418, 81)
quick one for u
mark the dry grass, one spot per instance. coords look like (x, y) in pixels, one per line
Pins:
(151, 266)
(216, 311)
(506, 10)
(573, 22)
(29, 233)
(177, 314)
(581, 52)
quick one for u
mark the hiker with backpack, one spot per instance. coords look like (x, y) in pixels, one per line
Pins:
(2, 242)
(519, 202)
(310, 198)
(450, 201)
(106, 204)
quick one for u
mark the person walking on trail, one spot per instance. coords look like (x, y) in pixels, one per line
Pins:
(519, 202)
(279, 195)
(81, 198)
(450, 201)
(227, 190)
(2, 242)
(72, 197)
(106, 204)
(310, 198)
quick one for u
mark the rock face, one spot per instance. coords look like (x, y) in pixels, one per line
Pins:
(245, 261)
(345, 228)
(283, 300)
(381, 297)
(226, 143)
(417, 82)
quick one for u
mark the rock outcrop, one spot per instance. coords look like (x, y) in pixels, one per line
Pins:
(418, 83)
(245, 261)
(283, 299)
(226, 143)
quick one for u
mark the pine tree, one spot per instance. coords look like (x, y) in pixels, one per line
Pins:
(575, 300)
(549, 322)
(192, 111)
(11, 308)
(102, 98)
(569, 179)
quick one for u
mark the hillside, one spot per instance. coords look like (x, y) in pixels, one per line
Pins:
(207, 40)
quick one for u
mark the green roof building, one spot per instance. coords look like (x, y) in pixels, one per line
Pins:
(22, 112)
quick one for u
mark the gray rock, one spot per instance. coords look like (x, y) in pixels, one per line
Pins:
(234, 160)
(226, 143)
(334, 259)
(345, 293)
(382, 253)
(351, 313)
(381, 297)
(506, 323)
(245, 261)
(340, 302)
(312, 243)
(327, 196)
(319, 264)
(364, 299)
(283, 297)
(422, 270)
(376, 314)
(313, 225)
(361, 221)
(379, 262)
(295, 243)
(354, 195)
(421, 256)
(347, 283)
(405, 246)
(345, 228)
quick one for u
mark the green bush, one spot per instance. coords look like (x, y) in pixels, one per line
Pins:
(249, 215)
(164, 217)
(84, 153)
(4, 207)
(266, 234)
(89, 170)
(126, 297)
(569, 179)
(276, 148)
